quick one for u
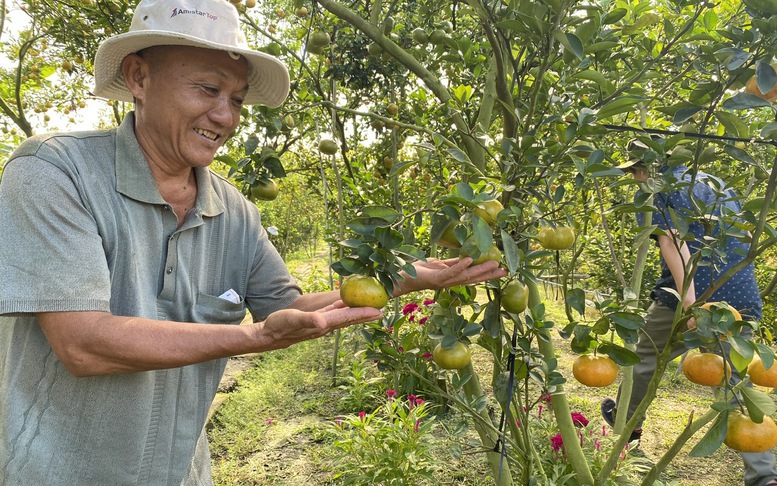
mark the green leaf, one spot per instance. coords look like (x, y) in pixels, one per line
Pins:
(714, 437)
(570, 42)
(614, 15)
(765, 76)
(513, 254)
(739, 154)
(683, 114)
(643, 237)
(251, 144)
(744, 101)
(758, 404)
(739, 361)
(460, 156)
(622, 356)
(601, 46)
(743, 347)
(491, 322)
(472, 329)
(629, 320)
(367, 226)
(387, 214)
(733, 124)
(769, 131)
(619, 105)
(576, 300)
(766, 354)
(596, 77)
(388, 238)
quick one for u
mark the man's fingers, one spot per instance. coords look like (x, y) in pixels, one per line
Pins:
(346, 316)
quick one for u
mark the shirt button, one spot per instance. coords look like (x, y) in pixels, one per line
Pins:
(169, 270)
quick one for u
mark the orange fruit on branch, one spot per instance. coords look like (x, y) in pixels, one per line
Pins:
(452, 358)
(760, 375)
(595, 371)
(744, 435)
(710, 305)
(448, 237)
(706, 369)
(515, 297)
(558, 238)
(751, 87)
(488, 210)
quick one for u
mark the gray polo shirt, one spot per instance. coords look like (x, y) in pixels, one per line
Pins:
(83, 227)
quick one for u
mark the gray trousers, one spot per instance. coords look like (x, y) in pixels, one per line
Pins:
(760, 467)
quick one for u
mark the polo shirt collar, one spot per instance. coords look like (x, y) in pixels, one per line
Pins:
(135, 180)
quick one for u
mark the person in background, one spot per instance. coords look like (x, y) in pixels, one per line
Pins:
(127, 265)
(690, 191)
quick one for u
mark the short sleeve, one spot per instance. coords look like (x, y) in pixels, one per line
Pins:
(271, 287)
(51, 255)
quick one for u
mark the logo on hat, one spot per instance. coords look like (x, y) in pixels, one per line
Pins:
(182, 11)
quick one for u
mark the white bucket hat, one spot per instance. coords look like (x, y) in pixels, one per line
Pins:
(211, 24)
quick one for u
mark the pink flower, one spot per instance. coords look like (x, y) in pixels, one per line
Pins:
(423, 320)
(411, 401)
(417, 425)
(361, 415)
(428, 302)
(391, 394)
(400, 348)
(409, 308)
(427, 356)
(539, 411)
(545, 398)
(411, 318)
(557, 442)
(579, 419)
(419, 402)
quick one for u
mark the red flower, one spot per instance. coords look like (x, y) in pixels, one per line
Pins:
(579, 419)
(557, 442)
(391, 394)
(428, 302)
(409, 308)
(423, 320)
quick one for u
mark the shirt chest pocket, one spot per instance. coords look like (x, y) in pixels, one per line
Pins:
(216, 310)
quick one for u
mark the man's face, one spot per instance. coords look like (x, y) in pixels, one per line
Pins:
(189, 104)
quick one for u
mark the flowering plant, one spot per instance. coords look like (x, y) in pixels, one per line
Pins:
(399, 345)
(596, 441)
(391, 445)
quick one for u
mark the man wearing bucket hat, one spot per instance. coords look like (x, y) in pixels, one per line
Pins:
(686, 197)
(127, 265)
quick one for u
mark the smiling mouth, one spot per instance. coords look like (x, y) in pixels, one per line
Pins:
(207, 134)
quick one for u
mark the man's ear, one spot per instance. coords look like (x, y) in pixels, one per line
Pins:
(136, 75)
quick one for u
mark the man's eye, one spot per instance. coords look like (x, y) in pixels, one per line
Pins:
(210, 89)
(237, 101)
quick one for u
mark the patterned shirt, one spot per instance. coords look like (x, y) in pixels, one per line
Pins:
(715, 216)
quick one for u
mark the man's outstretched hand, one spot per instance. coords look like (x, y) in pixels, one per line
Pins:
(290, 326)
(436, 274)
